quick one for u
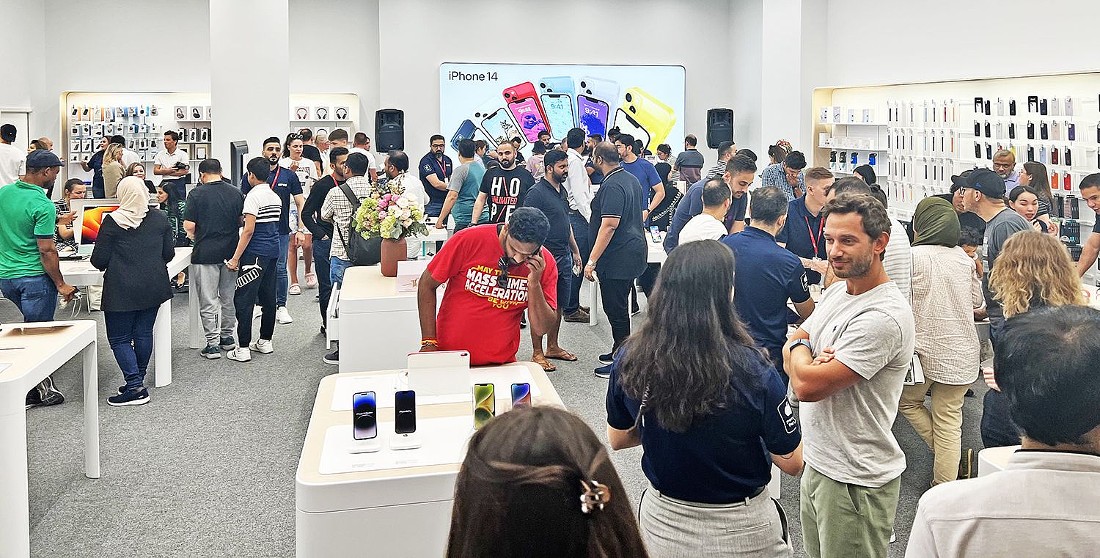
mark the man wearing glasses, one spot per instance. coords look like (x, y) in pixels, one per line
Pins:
(435, 170)
(494, 272)
(1004, 164)
(787, 176)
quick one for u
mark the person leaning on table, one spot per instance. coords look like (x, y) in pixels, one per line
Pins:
(30, 275)
(132, 249)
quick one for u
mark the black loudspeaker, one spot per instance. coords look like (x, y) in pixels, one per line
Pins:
(719, 126)
(389, 130)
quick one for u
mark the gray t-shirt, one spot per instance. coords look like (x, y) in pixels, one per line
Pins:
(997, 230)
(847, 435)
(459, 176)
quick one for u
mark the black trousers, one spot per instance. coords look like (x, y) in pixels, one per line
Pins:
(580, 233)
(321, 250)
(615, 295)
(261, 289)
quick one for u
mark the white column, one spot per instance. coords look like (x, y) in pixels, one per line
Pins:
(249, 73)
(794, 50)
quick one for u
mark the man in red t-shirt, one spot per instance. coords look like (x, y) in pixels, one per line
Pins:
(495, 272)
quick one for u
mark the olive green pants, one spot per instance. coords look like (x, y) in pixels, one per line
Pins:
(841, 520)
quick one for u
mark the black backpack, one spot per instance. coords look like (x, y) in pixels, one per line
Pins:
(361, 251)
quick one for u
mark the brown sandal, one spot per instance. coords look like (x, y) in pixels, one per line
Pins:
(563, 355)
(545, 364)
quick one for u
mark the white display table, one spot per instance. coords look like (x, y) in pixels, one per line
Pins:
(389, 512)
(80, 273)
(378, 326)
(992, 460)
(656, 255)
(29, 353)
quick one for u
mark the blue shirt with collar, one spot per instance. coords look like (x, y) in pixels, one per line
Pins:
(692, 205)
(804, 235)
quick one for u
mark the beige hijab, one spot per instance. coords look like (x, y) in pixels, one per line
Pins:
(133, 203)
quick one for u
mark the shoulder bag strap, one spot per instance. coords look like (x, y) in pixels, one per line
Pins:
(355, 203)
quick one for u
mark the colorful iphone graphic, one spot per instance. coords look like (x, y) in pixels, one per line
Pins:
(485, 404)
(556, 94)
(653, 115)
(496, 122)
(526, 108)
(465, 130)
(627, 125)
(364, 418)
(592, 115)
(521, 395)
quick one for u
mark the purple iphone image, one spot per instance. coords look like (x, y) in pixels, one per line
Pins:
(592, 114)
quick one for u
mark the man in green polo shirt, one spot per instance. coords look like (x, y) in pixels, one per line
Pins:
(30, 275)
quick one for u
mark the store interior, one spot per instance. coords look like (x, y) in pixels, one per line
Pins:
(208, 469)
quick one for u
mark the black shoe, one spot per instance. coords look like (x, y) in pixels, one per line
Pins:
(33, 399)
(227, 344)
(607, 358)
(332, 358)
(129, 398)
(47, 394)
(603, 372)
(578, 317)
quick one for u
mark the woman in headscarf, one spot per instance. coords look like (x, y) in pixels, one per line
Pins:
(132, 249)
(945, 292)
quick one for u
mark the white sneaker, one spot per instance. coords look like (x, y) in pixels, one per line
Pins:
(262, 346)
(240, 354)
(282, 316)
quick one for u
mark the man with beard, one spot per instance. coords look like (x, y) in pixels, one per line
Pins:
(504, 187)
(847, 364)
(550, 197)
(435, 170)
(286, 185)
(321, 229)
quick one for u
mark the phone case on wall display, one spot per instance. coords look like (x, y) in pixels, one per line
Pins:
(1054, 155)
(1012, 107)
(1044, 131)
(989, 151)
(988, 108)
(1011, 130)
(628, 125)
(1000, 107)
(988, 131)
(649, 112)
(465, 131)
(977, 105)
(1069, 106)
(1033, 103)
(977, 129)
(1031, 130)
(497, 123)
(1067, 156)
(977, 150)
(1055, 107)
(1030, 153)
(1043, 109)
(1055, 131)
(524, 104)
(1071, 131)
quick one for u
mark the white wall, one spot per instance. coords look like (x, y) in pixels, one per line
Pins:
(24, 56)
(416, 36)
(870, 43)
(746, 61)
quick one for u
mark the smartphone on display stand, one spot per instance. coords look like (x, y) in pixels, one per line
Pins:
(404, 410)
(364, 412)
(628, 125)
(521, 395)
(526, 108)
(485, 404)
(650, 113)
(465, 130)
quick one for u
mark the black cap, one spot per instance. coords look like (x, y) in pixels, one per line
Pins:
(959, 180)
(40, 159)
(987, 182)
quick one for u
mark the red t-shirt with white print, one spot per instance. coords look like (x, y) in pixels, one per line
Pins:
(478, 313)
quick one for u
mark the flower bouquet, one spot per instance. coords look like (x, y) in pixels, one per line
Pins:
(390, 215)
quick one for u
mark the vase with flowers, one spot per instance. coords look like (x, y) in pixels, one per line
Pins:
(392, 215)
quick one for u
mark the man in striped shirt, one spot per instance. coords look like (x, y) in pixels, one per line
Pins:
(255, 261)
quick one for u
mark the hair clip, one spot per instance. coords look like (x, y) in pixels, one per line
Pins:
(594, 496)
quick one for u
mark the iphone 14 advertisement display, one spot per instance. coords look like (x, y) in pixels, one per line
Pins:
(404, 412)
(497, 123)
(521, 395)
(485, 404)
(595, 97)
(524, 105)
(556, 94)
(364, 416)
(642, 110)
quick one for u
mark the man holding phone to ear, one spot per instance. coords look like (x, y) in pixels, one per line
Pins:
(494, 272)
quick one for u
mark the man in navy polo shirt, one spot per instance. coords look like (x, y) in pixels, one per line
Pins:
(803, 234)
(435, 171)
(767, 275)
(286, 184)
(740, 172)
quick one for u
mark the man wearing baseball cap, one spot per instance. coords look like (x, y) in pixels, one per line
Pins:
(954, 197)
(30, 275)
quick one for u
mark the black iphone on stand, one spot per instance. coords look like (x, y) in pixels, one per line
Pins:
(404, 409)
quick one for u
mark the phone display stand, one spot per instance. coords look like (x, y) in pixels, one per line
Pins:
(439, 373)
(365, 446)
(404, 441)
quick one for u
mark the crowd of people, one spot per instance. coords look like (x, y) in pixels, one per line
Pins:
(789, 325)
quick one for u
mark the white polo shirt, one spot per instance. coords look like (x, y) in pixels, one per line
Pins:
(13, 162)
(169, 160)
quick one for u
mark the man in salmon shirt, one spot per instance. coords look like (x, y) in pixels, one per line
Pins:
(495, 272)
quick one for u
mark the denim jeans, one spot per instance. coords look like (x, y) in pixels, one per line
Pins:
(36, 296)
(580, 232)
(321, 250)
(336, 270)
(565, 279)
(131, 337)
(283, 282)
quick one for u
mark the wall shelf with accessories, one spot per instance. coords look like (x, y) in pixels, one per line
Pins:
(141, 118)
(324, 112)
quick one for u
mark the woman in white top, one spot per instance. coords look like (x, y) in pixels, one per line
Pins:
(307, 175)
(945, 292)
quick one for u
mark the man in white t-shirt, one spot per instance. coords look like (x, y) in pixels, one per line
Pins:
(708, 224)
(847, 365)
(898, 260)
(361, 144)
(13, 161)
(172, 165)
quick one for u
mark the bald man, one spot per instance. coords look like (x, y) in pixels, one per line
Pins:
(1004, 164)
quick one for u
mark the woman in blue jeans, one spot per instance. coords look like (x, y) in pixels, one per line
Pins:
(710, 412)
(133, 246)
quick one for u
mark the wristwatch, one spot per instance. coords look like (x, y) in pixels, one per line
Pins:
(803, 342)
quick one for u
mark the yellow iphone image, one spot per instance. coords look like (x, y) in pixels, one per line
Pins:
(651, 114)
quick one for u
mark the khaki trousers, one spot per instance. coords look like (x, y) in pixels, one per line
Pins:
(940, 427)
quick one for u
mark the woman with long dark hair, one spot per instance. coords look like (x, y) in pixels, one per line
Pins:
(536, 482)
(710, 412)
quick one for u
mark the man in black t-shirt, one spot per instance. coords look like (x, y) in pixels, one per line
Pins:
(322, 230)
(503, 187)
(618, 244)
(212, 217)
